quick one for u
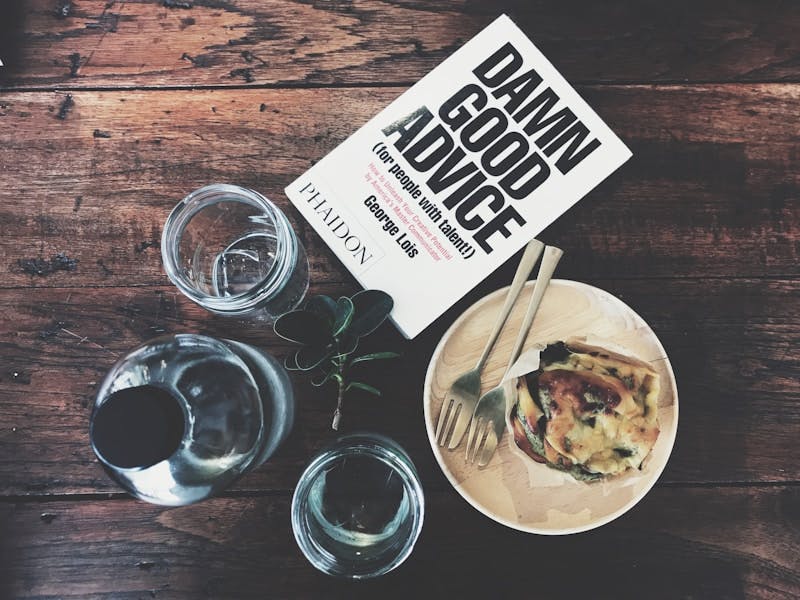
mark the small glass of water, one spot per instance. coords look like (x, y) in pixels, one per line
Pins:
(358, 507)
(234, 252)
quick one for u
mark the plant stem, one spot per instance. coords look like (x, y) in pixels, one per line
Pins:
(337, 414)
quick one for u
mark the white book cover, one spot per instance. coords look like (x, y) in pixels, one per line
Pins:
(457, 174)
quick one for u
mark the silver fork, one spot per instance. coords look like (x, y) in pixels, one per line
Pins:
(489, 417)
(460, 400)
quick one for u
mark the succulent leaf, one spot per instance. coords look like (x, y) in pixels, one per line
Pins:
(290, 362)
(371, 307)
(310, 357)
(374, 356)
(363, 386)
(348, 343)
(321, 378)
(343, 315)
(324, 307)
(302, 327)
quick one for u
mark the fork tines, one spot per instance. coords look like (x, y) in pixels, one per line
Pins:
(447, 420)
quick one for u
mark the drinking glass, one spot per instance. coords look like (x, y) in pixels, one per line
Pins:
(358, 508)
(181, 417)
(233, 252)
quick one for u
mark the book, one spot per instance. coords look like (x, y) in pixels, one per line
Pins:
(457, 174)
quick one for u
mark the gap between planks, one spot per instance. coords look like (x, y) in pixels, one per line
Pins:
(382, 84)
(778, 277)
(119, 496)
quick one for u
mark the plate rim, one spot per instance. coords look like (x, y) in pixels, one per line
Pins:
(426, 401)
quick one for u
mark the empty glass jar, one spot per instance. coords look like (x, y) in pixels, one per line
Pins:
(358, 508)
(182, 416)
(234, 252)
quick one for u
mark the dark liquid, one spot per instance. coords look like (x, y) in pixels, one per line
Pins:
(361, 494)
(138, 427)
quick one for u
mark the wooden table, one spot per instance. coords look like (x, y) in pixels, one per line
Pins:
(113, 111)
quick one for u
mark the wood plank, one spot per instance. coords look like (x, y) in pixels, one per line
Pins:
(713, 188)
(732, 345)
(677, 543)
(91, 43)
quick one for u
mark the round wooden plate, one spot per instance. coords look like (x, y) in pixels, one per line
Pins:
(513, 489)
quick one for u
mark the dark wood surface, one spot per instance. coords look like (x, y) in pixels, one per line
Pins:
(112, 111)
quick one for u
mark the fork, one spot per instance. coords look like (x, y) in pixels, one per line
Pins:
(489, 417)
(460, 400)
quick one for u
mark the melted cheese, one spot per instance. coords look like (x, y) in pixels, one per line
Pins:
(600, 411)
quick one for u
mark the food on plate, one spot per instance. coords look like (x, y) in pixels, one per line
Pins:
(588, 411)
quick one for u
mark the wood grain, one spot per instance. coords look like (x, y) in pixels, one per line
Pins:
(700, 197)
(94, 43)
(246, 550)
(731, 343)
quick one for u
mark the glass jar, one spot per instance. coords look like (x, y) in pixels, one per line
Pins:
(234, 252)
(358, 508)
(181, 417)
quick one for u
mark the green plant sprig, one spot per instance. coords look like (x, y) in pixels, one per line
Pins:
(329, 331)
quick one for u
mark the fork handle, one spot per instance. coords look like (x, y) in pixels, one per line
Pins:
(532, 253)
(551, 257)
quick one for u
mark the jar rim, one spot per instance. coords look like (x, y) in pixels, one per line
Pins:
(272, 283)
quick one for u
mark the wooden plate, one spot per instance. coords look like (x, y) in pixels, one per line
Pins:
(513, 489)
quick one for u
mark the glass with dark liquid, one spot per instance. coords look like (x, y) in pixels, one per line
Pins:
(181, 417)
(358, 507)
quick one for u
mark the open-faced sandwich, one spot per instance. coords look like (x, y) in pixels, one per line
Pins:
(587, 411)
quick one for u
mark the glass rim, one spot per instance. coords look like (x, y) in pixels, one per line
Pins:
(214, 193)
(382, 448)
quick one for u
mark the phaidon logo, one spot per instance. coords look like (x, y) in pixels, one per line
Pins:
(338, 226)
